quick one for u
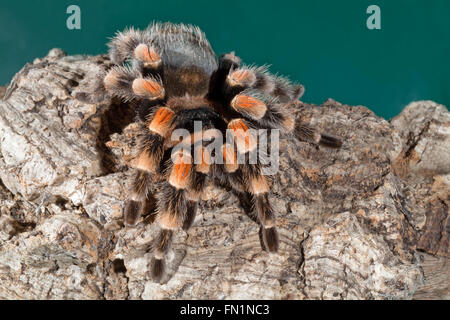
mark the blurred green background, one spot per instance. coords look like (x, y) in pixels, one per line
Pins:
(323, 44)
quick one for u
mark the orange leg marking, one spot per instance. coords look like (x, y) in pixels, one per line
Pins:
(147, 55)
(147, 88)
(259, 185)
(145, 161)
(253, 107)
(181, 171)
(203, 158)
(242, 77)
(170, 221)
(229, 158)
(111, 80)
(161, 121)
(245, 141)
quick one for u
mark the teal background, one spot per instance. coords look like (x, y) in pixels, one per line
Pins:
(323, 44)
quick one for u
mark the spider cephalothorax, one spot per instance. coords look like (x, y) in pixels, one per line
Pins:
(173, 75)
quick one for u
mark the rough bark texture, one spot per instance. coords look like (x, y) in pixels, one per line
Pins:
(368, 221)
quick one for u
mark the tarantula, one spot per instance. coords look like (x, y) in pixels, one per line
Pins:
(172, 73)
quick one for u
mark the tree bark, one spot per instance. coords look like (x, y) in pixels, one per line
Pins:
(369, 221)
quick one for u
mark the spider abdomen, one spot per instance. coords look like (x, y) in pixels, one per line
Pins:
(182, 81)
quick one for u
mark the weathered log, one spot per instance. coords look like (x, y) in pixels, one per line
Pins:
(354, 223)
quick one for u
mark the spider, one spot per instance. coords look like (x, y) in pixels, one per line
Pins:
(173, 75)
